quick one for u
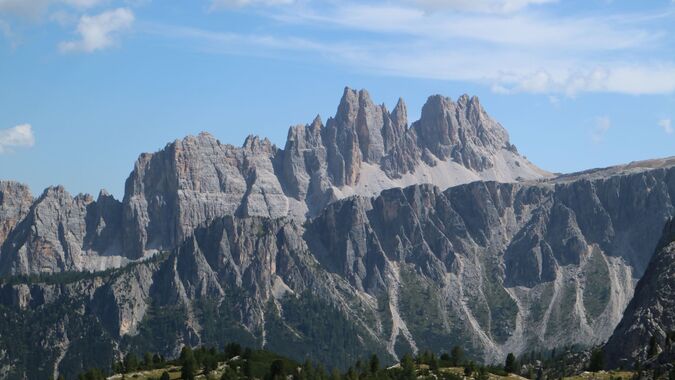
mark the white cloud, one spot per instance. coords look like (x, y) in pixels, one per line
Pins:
(6, 30)
(24, 8)
(220, 4)
(486, 6)
(19, 136)
(83, 3)
(502, 44)
(99, 31)
(666, 125)
(602, 125)
(34, 9)
(63, 18)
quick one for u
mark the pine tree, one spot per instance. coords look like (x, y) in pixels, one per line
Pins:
(469, 368)
(510, 363)
(209, 364)
(147, 360)
(456, 356)
(653, 347)
(335, 374)
(186, 354)
(187, 372)
(307, 370)
(130, 362)
(248, 371)
(408, 367)
(374, 364)
(277, 370)
(229, 374)
(597, 362)
(482, 374)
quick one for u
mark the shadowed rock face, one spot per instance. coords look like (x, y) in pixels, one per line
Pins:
(651, 313)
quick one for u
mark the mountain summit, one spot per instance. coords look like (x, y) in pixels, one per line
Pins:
(363, 150)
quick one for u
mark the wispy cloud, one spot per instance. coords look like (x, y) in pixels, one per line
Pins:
(30, 9)
(16, 137)
(99, 32)
(602, 126)
(84, 4)
(487, 6)
(7, 33)
(666, 125)
(34, 9)
(225, 4)
(499, 43)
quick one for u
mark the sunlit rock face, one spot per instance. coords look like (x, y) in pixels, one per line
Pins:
(363, 150)
(391, 237)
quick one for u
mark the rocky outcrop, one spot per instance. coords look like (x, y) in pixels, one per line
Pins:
(243, 279)
(64, 233)
(363, 150)
(648, 325)
(494, 267)
(389, 237)
(520, 265)
(15, 200)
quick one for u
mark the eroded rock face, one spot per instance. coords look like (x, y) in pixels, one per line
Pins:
(651, 313)
(516, 265)
(243, 279)
(462, 131)
(15, 201)
(495, 267)
(247, 239)
(362, 150)
(64, 233)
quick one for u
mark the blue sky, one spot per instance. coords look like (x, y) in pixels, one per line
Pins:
(87, 85)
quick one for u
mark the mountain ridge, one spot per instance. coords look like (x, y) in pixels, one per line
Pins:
(363, 150)
(497, 267)
(343, 243)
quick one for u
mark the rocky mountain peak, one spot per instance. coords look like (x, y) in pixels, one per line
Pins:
(316, 124)
(255, 144)
(399, 115)
(460, 131)
(15, 201)
(362, 150)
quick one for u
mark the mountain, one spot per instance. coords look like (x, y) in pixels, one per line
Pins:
(648, 323)
(494, 267)
(364, 235)
(363, 150)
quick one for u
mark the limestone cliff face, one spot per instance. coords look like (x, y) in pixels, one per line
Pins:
(517, 265)
(398, 236)
(15, 200)
(363, 150)
(60, 232)
(196, 179)
(495, 267)
(651, 313)
(244, 279)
